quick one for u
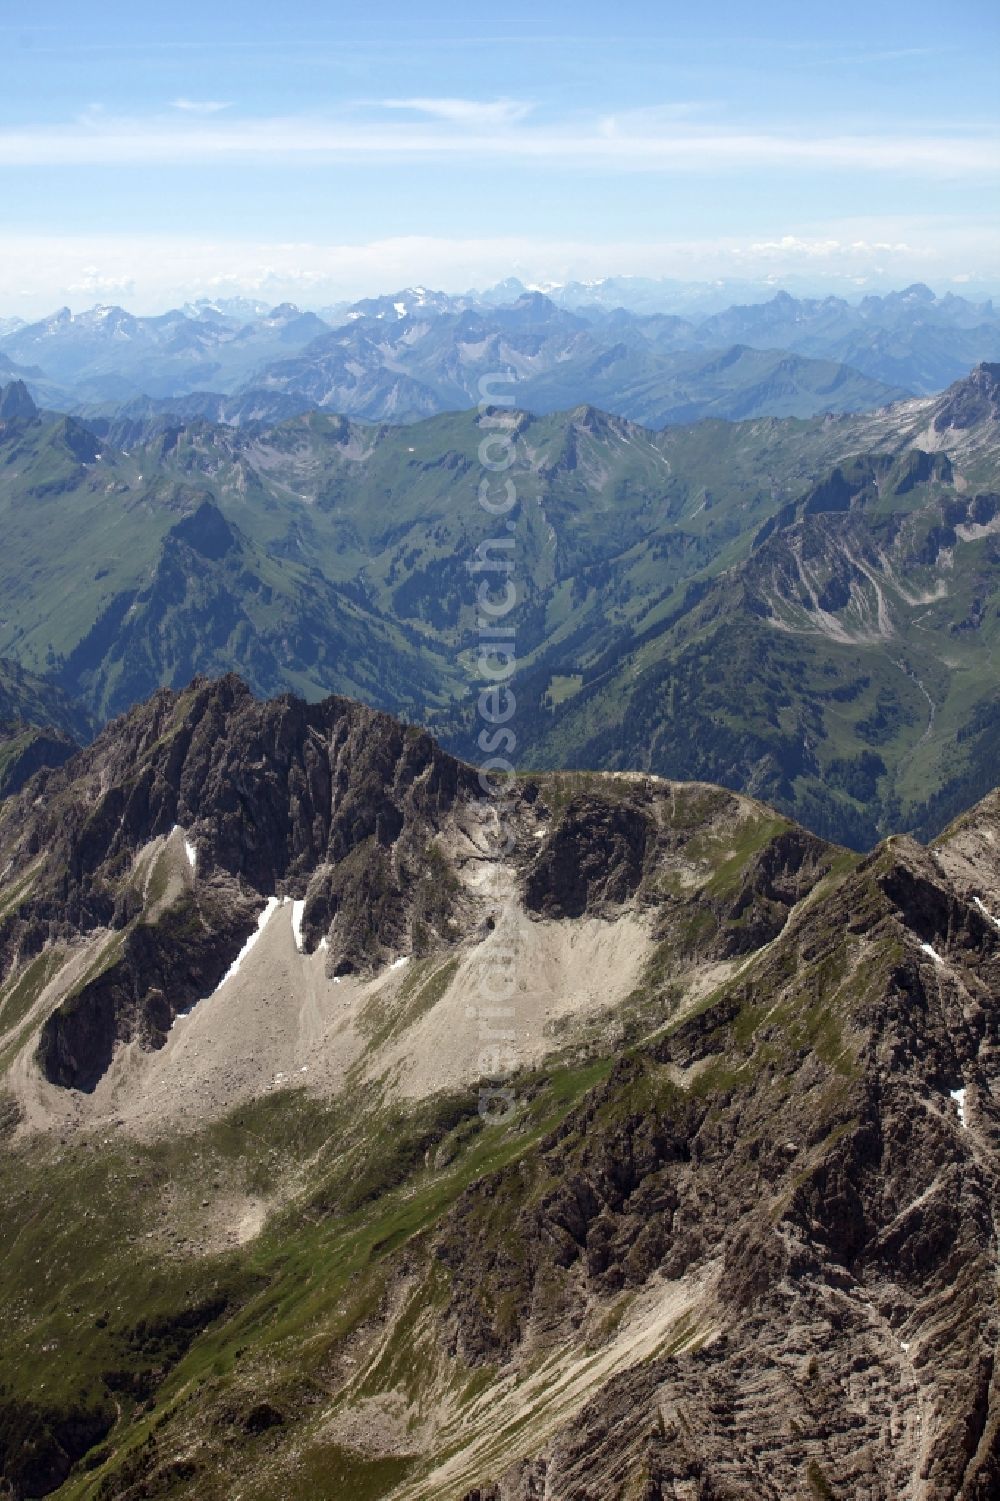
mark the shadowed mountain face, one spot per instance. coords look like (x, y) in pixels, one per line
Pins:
(281, 795)
(39, 726)
(34, 702)
(736, 1239)
(332, 804)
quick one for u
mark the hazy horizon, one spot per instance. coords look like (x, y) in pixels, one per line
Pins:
(694, 299)
(145, 159)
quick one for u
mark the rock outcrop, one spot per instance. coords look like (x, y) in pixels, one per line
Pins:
(352, 814)
(972, 400)
(823, 1144)
(738, 1241)
(332, 803)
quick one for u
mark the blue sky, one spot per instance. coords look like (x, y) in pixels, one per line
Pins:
(329, 151)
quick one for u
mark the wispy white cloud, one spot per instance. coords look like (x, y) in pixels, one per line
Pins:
(91, 282)
(653, 119)
(477, 112)
(790, 248)
(897, 54)
(39, 272)
(201, 106)
(622, 143)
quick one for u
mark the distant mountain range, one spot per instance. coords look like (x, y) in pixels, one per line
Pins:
(809, 610)
(412, 364)
(107, 354)
(418, 352)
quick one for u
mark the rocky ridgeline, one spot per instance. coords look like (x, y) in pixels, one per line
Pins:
(971, 401)
(16, 406)
(821, 1145)
(352, 813)
(761, 1247)
(333, 803)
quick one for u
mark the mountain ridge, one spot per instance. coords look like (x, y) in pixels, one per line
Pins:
(759, 1135)
(412, 352)
(329, 555)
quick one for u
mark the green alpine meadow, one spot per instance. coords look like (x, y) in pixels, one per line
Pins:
(805, 609)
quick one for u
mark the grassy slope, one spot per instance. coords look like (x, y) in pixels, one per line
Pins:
(153, 1341)
(349, 573)
(127, 1306)
(129, 1324)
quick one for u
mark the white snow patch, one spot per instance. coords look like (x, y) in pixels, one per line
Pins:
(933, 953)
(986, 913)
(958, 1095)
(189, 849)
(297, 910)
(400, 309)
(398, 963)
(273, 903)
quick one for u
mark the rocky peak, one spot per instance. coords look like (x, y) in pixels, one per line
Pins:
(16, 405)
(820, 1141)
(332, 804)
(971, 401)
(918, 291)
(206, 530)
(270, 789)
(352, 814)
(750, 1242)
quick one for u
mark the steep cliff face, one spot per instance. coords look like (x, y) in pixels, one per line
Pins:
(266, 790)
(332, 804)
(815, 1156)
(363, 823)
(736, 1241)
(974, 400)
(25, 749)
